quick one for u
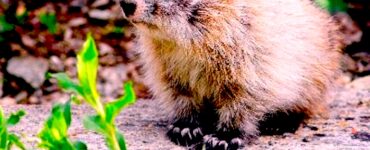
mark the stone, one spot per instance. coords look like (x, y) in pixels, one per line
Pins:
(105, 49)
(28, 41)
(56, 64)
(99, 3)
(29, 68)
(101, 14)
(76, 22)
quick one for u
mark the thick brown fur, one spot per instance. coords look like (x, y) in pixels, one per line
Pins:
(234, 61)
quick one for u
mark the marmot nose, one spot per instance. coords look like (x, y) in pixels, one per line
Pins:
(128, 6)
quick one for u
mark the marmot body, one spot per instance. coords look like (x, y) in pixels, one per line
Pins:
(224, 67)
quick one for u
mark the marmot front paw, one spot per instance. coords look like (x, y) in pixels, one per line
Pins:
(185, 134)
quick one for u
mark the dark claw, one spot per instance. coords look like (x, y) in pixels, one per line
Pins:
(213, 143)
(236, 143)
(185, 136)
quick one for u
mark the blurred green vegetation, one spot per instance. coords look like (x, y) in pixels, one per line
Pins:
(54, 135)
(7, 139)
(50, 21)
(333, 5)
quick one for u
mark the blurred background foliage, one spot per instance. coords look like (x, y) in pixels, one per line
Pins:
(333, 6)
(43, 36)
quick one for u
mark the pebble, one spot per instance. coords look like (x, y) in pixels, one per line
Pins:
(100, 14)
(31, 69)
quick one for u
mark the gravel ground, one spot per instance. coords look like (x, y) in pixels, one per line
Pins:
(144, 125)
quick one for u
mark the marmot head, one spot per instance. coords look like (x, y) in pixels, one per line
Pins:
(186, 20)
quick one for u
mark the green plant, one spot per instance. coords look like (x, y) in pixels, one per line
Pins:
(50, 21)
(104, 121)
(332, 5)
(7, 140)
(54, 135)
(4, 26)
(119, 30)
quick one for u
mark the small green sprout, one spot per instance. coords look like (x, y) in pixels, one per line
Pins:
(54, 135)
(7, 140)
(104, 121)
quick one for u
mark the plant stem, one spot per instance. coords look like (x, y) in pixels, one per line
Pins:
(100, 110)
(114, 140)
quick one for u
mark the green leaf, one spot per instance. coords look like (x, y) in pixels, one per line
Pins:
(13, 139)
(58, 126)
(112, 109)
(6, 139)
(2, 117)
(96, 124)
(3, 130)
(15, 118)
(121, 141)
(78, 145)
(3, 137)
(87, 65)
(67, 113)
(66, 83)
(54, 134)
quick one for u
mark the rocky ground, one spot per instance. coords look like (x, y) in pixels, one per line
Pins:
(144, 125)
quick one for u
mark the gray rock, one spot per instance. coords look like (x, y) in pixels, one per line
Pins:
(28, 41)
(78, 3)
(29, 68)
(22, 96)
(101, 14)
(56, 64)
(76, 22)
(99, 3)
(105, 49)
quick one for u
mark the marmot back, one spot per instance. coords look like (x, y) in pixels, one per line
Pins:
(226, 69)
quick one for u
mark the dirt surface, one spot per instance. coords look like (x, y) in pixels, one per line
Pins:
(144, 125)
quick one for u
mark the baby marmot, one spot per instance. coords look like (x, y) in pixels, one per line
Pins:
(227, 69)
